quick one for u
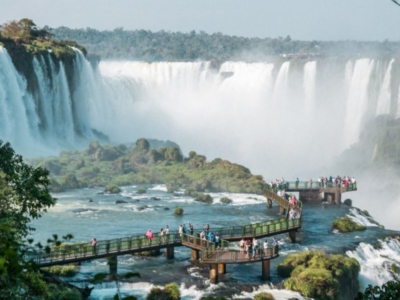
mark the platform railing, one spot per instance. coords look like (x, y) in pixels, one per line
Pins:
(213, 255)
(75, 251)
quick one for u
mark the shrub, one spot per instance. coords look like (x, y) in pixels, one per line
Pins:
(178, 211)
(112, 189)
(141, 191)
(172, 291)
(225, 200)
(205, 198)
(66, 271)
(346, 224)
(394, 268)
(317, 275)
(169, 292)
(263, 296)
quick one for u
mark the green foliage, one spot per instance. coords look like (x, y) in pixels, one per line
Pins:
(112, 189)
(177, 46)
(317, 275)
(172, 290)
(59, 292)
(225, 200)
(263, 296)
(178, 211)
(24, 196)
(123, 165)
(169, 292)
(394, 268)
(389, 291)
(141, 191)
(346, 224)
(66, 271)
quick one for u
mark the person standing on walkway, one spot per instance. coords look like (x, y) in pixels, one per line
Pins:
(191, 228)
(255, 247)
(266, 248)
(94, 245)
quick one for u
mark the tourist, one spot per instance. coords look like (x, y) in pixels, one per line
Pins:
(297, 182)
(247, 247)
(274, 242)
(211, 237)
(266, 247)
(149, 234)
(166, 230)
(202, 235)
(310, 183)
(94, 245)
(180, 231)
(241, 245)
(162, 235)
(207, 228)
(191, 228)
(255, 247)
(217, 241)
(184, 229)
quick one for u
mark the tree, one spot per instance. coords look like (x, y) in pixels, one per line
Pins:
(23, 30)
(24, 195)
(389, 291)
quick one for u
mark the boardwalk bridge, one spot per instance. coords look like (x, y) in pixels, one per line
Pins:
(202, 251)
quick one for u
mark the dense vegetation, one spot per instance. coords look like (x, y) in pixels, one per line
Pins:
(317, 275)
(114, 166)
(346, 224)
(178, 46)
(24, 196)
(388, 291)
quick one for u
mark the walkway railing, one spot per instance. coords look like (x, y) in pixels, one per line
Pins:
(305, 185)
(84, 251)
(277, 199)
(210, 255)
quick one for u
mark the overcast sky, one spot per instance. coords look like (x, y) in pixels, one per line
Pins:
(301, 19)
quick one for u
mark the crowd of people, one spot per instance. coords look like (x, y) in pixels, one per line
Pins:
(338, 181)
(251, 247)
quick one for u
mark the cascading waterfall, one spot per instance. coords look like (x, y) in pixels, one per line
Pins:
(383, 106)
(264, 115)
(376, 262)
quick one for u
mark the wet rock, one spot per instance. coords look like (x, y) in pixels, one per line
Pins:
(90, 200)
(155, 198)
(348, 202)
(166, 208)
(120, 202)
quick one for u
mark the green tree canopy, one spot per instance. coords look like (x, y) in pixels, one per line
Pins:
(23, 196)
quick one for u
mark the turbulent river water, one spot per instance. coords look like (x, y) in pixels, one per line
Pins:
(104, 219)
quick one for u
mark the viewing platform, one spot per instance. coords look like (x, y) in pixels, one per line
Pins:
(329, 192)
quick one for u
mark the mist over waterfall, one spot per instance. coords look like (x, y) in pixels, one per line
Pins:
(284, 117)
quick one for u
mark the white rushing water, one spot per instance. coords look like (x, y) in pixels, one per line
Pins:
(377, 262)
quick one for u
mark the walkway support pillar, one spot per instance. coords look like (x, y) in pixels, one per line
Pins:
(195, 254)
(113, 264)
(170, 252)
(292, 236)
(282, 210)
(221, 268)
(269, 203)
(214, 273)
(265, 269)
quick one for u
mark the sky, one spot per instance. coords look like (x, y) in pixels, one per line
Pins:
(364, 20)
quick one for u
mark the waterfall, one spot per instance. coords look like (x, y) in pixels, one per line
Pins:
(357, 100)
(309, 83)
(376, 262)
(383, 106)
(265, 115)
